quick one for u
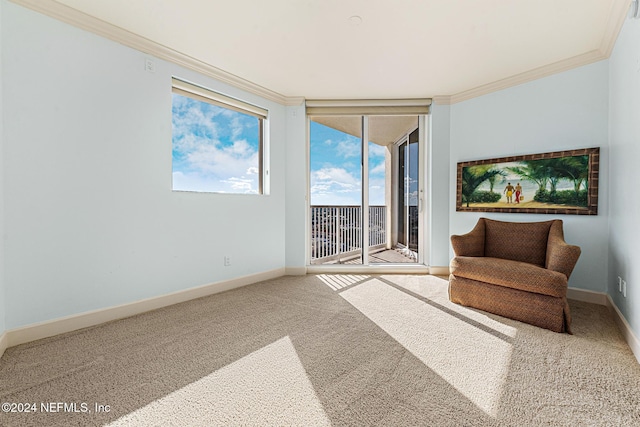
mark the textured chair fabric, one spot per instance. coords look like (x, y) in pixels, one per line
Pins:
(526, 242)
(515, 270)
(512, 274)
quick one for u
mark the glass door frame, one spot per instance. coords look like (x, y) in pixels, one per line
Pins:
(421, 263)
(422, 175)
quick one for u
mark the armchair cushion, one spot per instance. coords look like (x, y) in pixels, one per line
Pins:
(512, 274)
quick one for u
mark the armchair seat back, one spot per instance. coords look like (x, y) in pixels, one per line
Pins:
(517, 241)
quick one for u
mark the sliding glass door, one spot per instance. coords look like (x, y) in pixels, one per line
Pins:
(365, 189)
(408, 194)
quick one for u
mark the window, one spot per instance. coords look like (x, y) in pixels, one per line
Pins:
(217, 142)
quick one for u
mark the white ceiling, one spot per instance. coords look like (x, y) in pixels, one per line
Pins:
(401, 49)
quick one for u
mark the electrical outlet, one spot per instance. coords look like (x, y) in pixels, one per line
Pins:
(624, 288)
(619, 284)
(227, 261)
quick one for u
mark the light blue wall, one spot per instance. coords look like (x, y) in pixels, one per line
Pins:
(2, 169)
(624, 150)
(438, 185)
(561, 112)
(296, 187)
(92, 218)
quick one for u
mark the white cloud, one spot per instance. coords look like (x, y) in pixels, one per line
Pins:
(376, 191)
(378, 169)
(194, 181)
(334, 175)
(216, 168)
(237, 127)
(334, 186)
(376, 150)
(210, 149)
(240, 185)
(348, 148)
(234, 160)
(192, 123)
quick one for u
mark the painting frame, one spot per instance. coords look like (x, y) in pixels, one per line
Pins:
(467, 203)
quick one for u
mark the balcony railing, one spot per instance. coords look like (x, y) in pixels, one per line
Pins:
(336, 232)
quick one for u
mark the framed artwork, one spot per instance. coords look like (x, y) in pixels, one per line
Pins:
(562, 182)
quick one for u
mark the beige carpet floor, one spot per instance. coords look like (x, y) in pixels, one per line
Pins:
(340, 350)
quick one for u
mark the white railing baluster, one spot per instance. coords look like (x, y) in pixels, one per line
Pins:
(336, 230)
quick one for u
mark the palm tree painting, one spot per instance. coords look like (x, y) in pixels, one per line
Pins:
(563, 182)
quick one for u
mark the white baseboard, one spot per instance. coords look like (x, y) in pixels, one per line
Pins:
(625, 328)
(3, 343)
(61, 325)
(439, 271)
(584, 295)
(605, 299)
(295, 271)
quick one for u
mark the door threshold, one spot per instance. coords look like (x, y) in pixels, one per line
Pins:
(368, 269)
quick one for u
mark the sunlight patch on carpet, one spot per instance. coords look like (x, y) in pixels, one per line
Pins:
(267, 387)
(472, 360)
(339, 281)
(435, 289)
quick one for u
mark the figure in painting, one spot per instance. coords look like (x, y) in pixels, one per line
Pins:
(509, 192)
(518, 192)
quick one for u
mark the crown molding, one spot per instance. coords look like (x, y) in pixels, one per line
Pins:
(294, 101)
(528, 76)
(104, 29)
(619, 12)
(94, 25)
(615, 21)
(442, 100)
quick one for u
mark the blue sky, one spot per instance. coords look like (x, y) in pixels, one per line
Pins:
(214, 149)
(335, 168)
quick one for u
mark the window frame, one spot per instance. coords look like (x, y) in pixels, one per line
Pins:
(202, 94)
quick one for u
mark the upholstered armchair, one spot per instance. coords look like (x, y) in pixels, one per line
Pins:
(517, 270)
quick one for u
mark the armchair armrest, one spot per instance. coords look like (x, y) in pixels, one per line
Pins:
(561, 257)
(470, 244)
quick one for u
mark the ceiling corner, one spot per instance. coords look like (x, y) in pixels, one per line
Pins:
(442, 100)
(619, 13)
